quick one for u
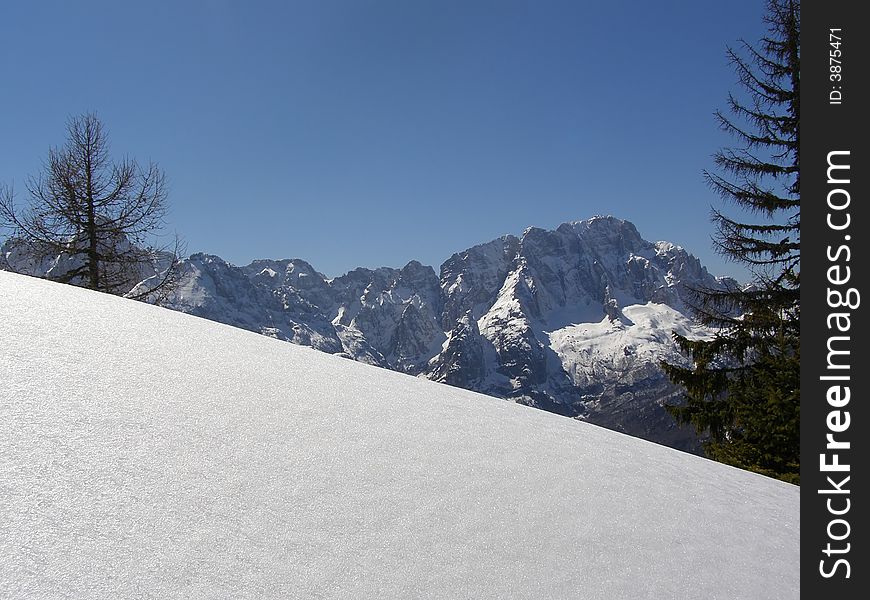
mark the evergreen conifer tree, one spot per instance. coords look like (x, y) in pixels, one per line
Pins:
(743, 386)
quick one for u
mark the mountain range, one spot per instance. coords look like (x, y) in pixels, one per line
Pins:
(574, 320)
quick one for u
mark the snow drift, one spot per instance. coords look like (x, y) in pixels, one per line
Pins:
(148, 453)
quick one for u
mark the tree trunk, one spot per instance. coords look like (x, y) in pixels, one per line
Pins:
(93, 250)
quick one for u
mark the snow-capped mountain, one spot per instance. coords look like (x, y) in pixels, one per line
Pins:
(146, 453)
(573, 321)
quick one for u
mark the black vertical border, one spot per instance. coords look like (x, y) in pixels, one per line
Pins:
(827, 127)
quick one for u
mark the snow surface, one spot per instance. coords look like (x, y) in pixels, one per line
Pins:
(591, 349)
(148, 453)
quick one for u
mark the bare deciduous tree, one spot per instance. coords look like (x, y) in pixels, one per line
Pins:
(95, 219)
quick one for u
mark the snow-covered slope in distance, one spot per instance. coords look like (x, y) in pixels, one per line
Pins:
(148, 453)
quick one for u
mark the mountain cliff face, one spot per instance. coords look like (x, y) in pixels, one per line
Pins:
(573, 321)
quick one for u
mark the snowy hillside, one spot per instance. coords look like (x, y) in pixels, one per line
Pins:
(148, 453)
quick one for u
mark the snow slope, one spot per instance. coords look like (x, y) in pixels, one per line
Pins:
(148, 453)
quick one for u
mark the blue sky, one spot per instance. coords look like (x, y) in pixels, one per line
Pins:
(373, 132)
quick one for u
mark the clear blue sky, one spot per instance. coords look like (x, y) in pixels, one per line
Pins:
(371, 132)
